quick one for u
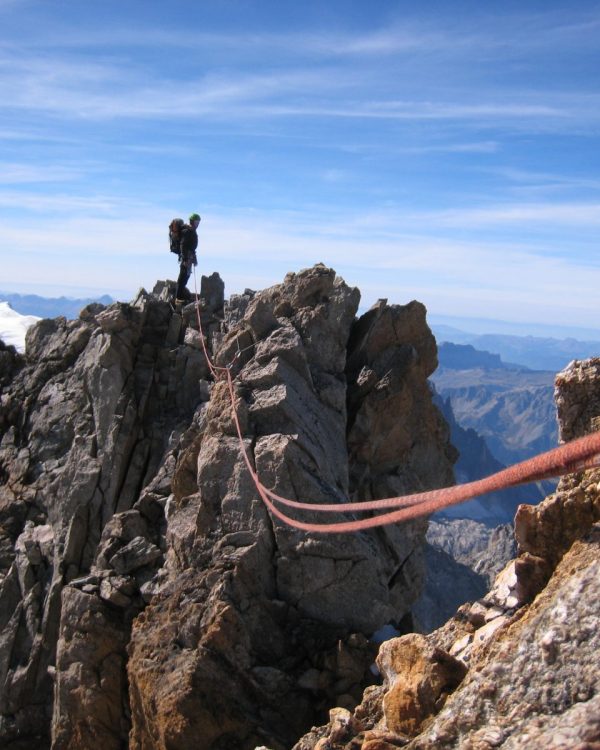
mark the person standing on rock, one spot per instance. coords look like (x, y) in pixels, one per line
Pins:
(187, 257)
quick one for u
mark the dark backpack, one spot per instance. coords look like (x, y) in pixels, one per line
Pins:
(175, 228)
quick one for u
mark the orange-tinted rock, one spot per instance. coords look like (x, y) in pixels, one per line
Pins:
(418, 677)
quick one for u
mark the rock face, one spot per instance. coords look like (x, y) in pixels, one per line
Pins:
(86, 424)
(278, 618)
(529, 648)
(148, 599)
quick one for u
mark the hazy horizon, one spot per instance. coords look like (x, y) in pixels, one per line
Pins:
(473, 325)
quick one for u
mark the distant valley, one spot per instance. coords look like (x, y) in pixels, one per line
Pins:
(499, 414)
(512, 407)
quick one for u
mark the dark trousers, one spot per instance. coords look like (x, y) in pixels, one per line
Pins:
(184, 275)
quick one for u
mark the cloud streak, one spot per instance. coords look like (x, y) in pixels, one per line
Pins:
(402, 267)
(308, 75)
(449, 157)
(451, 276)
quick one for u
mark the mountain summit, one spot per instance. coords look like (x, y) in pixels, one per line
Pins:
(147, 591)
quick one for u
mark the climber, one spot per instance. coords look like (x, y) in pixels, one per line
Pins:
(187, 257)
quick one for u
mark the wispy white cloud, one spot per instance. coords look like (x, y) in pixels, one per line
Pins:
(535, 182)
(106, 91)
(66, 80)
(335, 175)
(476, 147)
(505, 279)
(484, 31)
(39, 203)
(33, 134)
(241, 44)
(16, 173)
(412, 154)
(546, 214)
(414, 110)
(160, 149)
(81, 89)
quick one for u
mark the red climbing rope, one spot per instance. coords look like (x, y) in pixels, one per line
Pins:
(577, 455)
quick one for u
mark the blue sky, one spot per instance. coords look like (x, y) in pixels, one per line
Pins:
(441, 151)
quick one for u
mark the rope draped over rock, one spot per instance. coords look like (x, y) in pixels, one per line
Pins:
(577, 455)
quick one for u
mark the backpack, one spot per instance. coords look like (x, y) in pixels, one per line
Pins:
(175, 228)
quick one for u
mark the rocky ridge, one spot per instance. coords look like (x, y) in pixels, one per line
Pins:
(147, 597)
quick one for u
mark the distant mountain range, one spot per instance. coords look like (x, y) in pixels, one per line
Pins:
(467, 357)
(50, 307)
(537, 353)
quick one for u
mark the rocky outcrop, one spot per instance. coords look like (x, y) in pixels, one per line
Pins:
(10, 362)
(89, 421)
(277, 618)
(528, 648)
(148, 598)
(391, 354)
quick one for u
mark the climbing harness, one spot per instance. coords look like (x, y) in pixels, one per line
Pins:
(577, 455)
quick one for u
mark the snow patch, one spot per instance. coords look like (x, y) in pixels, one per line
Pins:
(13, 326)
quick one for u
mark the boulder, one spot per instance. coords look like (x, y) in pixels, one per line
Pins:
(418, 677)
